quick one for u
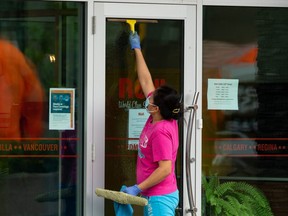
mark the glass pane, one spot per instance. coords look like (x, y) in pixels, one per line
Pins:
(41, 156)
(247, 141)
(162, 46)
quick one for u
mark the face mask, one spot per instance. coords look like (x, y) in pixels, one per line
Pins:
(146, 103)
(149, 111)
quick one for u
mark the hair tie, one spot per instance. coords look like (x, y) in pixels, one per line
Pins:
(175, 111)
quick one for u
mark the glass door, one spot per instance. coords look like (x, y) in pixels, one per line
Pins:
(41, 107)
(119, 109)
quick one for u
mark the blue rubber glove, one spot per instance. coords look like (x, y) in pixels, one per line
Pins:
(133, 190)
(134, 40)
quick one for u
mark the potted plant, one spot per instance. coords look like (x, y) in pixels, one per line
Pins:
(233, 198)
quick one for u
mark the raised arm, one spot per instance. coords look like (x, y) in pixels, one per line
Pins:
(143, 72)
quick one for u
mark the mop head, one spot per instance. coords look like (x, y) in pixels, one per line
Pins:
(121, 197)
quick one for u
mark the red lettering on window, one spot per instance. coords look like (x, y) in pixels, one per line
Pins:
(138, 91)
(125, 87)
(159, 82)
(129, 90)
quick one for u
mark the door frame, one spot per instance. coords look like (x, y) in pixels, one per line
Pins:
(187, 13)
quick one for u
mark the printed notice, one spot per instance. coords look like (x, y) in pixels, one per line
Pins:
(222, 94)
(137, 120)
(61, 108)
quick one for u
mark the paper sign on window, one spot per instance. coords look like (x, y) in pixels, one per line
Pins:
(222, 94)
(61, 108)
(137, 120)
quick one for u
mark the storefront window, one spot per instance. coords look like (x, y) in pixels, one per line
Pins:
(41, 107)
(245, 132)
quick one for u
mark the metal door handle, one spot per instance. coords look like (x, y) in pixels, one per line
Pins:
(188, 158)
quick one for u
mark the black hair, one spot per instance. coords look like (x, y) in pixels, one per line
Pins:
(169, 102)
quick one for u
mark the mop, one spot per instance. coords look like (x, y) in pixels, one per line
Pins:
(121, 197)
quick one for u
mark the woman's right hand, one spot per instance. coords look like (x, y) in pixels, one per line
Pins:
(134, 40)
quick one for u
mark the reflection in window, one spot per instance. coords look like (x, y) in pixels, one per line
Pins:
(248, 143)
(41, 45)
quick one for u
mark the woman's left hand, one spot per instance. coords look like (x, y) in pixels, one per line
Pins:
(132, 190)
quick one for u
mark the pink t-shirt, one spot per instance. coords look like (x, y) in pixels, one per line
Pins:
(157, 142)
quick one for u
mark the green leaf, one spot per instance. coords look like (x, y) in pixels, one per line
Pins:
(234, 198)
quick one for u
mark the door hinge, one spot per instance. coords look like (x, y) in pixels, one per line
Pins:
(93, 24)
